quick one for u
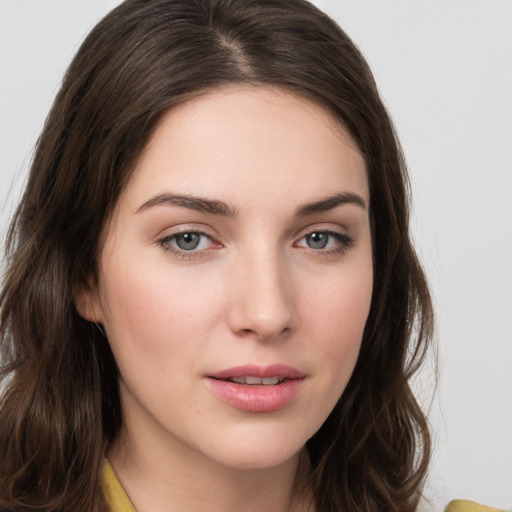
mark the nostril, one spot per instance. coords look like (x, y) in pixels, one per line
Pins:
(265, 334)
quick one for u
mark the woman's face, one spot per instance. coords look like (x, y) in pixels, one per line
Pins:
(235, 278)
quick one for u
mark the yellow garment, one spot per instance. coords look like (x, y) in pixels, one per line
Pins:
(116, 497)
(468, 506)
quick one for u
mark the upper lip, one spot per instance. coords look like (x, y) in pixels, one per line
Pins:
(252, 370)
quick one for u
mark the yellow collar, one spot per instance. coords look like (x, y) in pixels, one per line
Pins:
(114, 492)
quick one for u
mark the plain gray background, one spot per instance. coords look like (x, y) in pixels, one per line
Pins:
(444, 68)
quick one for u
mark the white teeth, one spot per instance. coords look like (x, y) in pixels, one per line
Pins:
(250, 380)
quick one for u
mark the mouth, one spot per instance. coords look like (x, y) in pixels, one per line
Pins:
(254, 375)
(257, 388)
(250, 380)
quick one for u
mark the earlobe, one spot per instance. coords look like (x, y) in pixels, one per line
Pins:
(87, 305)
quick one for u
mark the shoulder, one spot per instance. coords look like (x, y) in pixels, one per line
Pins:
(468, 506)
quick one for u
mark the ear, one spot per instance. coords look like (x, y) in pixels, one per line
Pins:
(86, 300)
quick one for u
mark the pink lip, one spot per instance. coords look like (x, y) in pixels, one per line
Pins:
(274, 370)
(257, 398)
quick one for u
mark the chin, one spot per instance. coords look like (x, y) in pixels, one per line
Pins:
(254, 460)
(261, 449)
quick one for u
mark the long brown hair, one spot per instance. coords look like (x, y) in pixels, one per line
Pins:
(60, 407)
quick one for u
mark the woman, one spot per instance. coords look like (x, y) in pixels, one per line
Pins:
(212, 301)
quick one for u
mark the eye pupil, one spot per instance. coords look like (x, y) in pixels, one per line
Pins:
(317, 240)
(188, 241)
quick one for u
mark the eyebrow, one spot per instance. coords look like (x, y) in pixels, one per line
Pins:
(200, 204)
(330, 203)
(216, 207)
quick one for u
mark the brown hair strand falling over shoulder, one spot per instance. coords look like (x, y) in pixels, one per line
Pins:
(60, 406)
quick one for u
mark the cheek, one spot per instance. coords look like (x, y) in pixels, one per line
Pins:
(156, 312)
(337, 315)
(342, 304)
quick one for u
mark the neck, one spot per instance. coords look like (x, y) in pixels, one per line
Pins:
(160, 477)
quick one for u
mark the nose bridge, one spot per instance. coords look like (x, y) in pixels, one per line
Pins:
(262, 303)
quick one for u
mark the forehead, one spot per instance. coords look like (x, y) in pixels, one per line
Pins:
(246, 137)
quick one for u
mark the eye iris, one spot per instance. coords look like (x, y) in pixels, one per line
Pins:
(188, 241)
(317, 240)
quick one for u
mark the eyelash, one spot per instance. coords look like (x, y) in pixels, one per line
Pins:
(345, 242)
(183, 254)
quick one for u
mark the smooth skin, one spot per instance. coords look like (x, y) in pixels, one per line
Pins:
(243, 237)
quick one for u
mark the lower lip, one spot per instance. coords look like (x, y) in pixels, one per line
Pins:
(256, 398)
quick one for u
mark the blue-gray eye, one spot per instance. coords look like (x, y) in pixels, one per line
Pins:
(187, 241)
(187, 244)
(326, 241)
(317, 240)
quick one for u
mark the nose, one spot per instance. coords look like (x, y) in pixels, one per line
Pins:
(262, 299)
